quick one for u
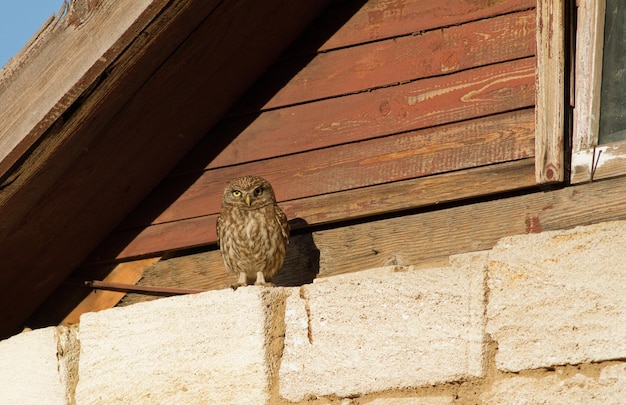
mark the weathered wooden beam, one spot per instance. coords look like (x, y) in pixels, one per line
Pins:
(551, 104)
(438, 234)
(65, 59)
(422, 239)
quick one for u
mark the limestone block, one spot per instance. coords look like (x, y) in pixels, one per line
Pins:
(608, 388)
(33, 368)
(384, 329)
(438, 400)
(211, 348)
(558, 297)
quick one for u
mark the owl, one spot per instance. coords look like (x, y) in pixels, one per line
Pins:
(252, 231)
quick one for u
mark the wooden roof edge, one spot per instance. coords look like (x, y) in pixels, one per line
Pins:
(70, 121)
(38, 38)
(60, 62)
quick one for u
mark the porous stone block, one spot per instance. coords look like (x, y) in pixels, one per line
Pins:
(211, 348)
(558, 297)
(33, 367)
(384, 329)
(607, 388)
(434, 400)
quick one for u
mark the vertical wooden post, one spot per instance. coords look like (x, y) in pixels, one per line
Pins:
(550, 91)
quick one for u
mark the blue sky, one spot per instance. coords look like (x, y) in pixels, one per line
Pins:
(19, 20)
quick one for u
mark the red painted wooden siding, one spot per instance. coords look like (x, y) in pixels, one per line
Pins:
(403, 90)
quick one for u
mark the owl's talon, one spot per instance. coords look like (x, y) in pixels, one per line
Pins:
(265, 284)
(260, 280)
(237, 285)
(242, 282)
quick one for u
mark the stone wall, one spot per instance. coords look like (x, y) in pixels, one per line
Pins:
(538, 319)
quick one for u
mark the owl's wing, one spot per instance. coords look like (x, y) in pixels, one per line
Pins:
(284, 224)
(217, 228)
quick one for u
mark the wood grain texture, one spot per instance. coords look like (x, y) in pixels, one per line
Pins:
(381, 19)
(407, 240)
(392, 61)
(424, 103)
(182, 208)
(463, 145)
(550, 104)
(330, 208)
(423, 239)
(60, 67)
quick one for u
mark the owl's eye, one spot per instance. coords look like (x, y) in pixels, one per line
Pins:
(236, 193)
(258, 191)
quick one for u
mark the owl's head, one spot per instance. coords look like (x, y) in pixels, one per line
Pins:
(249, 192)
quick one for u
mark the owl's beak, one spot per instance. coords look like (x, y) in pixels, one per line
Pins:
(248, 200)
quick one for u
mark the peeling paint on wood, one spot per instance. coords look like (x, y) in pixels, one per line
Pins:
(599, 162)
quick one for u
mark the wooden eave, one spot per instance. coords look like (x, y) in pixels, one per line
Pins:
(100, 106)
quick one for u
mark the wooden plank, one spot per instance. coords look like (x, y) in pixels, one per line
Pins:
(130, 273)
(379, 19)
(589, 47)
(108, 171)
(421, 104)
(408, 240)
(550, 104)
(423, 239)
(484, 141)
(412, 194)
(329, 208)
(61, 66)
(358, 68)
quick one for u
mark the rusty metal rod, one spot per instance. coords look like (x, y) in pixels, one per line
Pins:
(138, 289)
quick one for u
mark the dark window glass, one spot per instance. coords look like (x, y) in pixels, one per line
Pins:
(613, 99)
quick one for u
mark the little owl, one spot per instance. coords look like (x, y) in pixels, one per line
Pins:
(252, 231)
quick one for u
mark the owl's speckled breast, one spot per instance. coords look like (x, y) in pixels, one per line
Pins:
(253, 242)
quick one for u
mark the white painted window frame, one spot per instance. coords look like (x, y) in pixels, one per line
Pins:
(591, 161)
